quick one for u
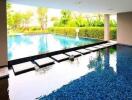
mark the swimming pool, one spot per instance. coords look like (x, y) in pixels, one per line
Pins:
(100, 75)
(108, 77)
(21, 46)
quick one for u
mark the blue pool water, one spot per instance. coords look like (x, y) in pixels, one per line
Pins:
(107, 75)
(28, 45)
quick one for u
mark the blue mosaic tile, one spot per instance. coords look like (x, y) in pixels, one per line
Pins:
(105, 84)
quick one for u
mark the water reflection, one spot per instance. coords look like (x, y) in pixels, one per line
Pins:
(103, 83)
(100, 75)
(28, 45)
(101, 61)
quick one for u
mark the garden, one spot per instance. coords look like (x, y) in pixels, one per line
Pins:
(66, 24)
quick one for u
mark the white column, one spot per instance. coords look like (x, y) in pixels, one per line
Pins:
(3, 34)
(106, 27)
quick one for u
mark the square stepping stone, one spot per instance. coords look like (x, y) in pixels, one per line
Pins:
(92, 48)
(42, 62)
(108, 44)
(4, 72)
(105, 45)
(83, 51)
(111, 43)
(60, 57)
(99, 46)
(73, 53)
(23, 67)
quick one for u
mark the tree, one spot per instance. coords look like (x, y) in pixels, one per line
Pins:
(42, 17)
(80, 21)
(66, 16)
(15, 21)
(8, 7)
(26, 19)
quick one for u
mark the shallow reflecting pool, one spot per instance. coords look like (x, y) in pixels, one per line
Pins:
(28, 45)
(101, 75)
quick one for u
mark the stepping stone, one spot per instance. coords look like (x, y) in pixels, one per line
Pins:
(23, 67)
(60, 57)
(91, 48)
(44, 62)
(73, 53)
(111, 43)
(4, 72)
(108, 44)
(99, 46)
(83, 51)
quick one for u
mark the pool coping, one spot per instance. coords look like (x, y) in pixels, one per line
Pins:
(32, 58)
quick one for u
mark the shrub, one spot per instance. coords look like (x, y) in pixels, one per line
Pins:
(93, 32)
(113, 33)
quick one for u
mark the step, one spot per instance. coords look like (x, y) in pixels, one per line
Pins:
(91, 48)
(73, 53)
(42, 62)
(23, 67)
(83, 51)
(60, 57)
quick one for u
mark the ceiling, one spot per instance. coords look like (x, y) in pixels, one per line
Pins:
(90, 6)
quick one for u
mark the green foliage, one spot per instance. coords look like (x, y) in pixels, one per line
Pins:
(26, 18)
(14, 21)
(8, 6)
(17, 21)
(42, 17)
(113, 33)
(93, 32)
(80, 21)
(113, 23)
(66, 25)
(65, 18)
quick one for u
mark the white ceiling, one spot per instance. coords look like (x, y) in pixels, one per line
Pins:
(91, 6)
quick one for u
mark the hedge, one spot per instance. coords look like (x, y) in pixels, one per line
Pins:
(93, 32)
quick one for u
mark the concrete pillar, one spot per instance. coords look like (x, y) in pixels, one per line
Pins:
(3, 34)
(106, 27)
(124, 32)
